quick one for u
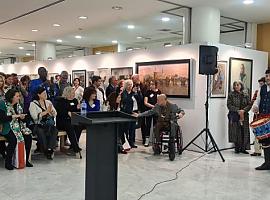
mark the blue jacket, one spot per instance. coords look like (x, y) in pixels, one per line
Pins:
(94, 107)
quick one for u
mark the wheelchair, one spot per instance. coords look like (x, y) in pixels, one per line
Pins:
(168, 144)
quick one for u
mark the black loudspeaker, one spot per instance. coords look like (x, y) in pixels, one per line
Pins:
(208, 60)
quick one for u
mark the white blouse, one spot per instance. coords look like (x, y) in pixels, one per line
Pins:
(35, 110)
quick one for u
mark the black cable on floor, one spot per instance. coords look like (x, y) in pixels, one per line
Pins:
(173, 179)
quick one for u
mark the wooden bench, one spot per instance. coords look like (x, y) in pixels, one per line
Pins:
(61, 135)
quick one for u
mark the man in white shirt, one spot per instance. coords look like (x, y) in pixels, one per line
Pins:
(96, 81)
(262, 107)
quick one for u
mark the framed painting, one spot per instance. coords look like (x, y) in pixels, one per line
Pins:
(219, 81)
(81, 74)
(172, 76)
(241, 70)
(122, 73)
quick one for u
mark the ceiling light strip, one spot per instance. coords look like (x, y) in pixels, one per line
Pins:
(33, 11)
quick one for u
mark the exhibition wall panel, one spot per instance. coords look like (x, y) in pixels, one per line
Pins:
(194, 121)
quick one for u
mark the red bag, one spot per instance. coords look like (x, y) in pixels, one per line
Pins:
(19, 158)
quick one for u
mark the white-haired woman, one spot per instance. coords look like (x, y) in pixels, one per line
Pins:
(64, 106)
(129, 104)
(239, 105)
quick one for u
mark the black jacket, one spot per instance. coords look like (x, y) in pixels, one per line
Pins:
(63, 106)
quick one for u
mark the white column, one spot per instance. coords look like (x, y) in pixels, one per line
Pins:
(45, 51)
(205, 25)
(251, 36)
(186, 25)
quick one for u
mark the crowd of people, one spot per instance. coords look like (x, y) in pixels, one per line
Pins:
(40, 108)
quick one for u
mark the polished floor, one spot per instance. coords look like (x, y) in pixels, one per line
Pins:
(205, 179)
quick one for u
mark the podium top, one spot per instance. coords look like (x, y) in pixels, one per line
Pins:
(101, 118)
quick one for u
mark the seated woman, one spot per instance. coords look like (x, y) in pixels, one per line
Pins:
(90, 98)
(64, 106)
(43, 114)
(13, 127)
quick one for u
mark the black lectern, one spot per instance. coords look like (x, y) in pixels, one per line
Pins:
(101, 152)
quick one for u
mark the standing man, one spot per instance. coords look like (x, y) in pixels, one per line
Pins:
(141, 89)
(111, 87)
(257, 145)
(262, 107)
(41, 81)
(62, 83)
(96, 83)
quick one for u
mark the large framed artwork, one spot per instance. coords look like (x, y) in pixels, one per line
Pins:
(219, 81)
(241, 69)
(81, 74)
(172, 76)
(122, 73)
(105, 74)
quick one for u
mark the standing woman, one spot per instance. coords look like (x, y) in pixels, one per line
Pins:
(129, 104)
(2, 85)
(14, 128)
(78, 89)
(239, 105)
(150, 101)
(2, 98)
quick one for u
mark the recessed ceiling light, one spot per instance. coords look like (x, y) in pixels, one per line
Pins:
(139, 37)
(28, 54)
(83, 17)
(21, 47)
(0, 52)
(117, 8)
(59, 40)
(33, 45)
(98, 53)
(78, 37)
(34, 30)
(131, 26)
(247, 2)
(129, 49)
(56, 25)
(114, 41)
(165, 19)
(70, 56)
(167, 44)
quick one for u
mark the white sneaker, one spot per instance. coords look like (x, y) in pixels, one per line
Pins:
(146, 144)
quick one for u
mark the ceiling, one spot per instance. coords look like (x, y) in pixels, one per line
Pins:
(104, 24)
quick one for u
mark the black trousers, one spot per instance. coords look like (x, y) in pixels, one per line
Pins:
(46, 137)
(149, 124)
(72, 135)
(142, 122)
(12, 142)
(2, 147)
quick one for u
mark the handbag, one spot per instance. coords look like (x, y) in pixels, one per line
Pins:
(47, 120)
(233, 116)
(19, 156)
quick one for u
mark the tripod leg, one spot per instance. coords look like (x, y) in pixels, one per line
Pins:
(193, 140)
(215, 146)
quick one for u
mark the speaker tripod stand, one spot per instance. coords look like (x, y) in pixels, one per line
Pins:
(206, 130)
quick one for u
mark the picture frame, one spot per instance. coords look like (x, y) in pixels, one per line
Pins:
(219, 81)
(122, 73)
(81, 74)
(241, 69)
(172, 76)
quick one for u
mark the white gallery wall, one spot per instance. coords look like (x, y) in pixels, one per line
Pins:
(194, 121)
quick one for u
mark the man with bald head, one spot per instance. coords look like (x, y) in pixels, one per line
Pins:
(167, 114)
